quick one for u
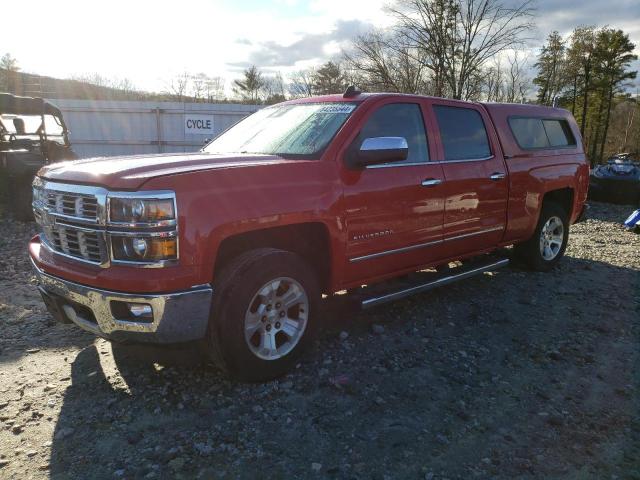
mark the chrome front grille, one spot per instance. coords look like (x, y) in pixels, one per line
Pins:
(80, 243)
(72, 204)
(73, 220)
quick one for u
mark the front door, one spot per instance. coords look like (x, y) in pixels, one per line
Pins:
(476, 183)
(394, 211)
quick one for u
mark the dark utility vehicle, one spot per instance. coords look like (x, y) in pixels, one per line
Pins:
(617, 181)
(32, 134)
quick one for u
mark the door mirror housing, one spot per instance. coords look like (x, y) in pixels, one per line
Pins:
(377, 150)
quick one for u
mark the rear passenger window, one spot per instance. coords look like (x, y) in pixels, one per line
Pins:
(531, 133)
(559, 133)
(463, 134)
(399, 120)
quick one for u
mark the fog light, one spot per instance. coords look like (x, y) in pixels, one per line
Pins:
(139, 246)
(144, 249)
(140, 310)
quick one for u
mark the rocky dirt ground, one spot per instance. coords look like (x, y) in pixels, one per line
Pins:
(510, 375)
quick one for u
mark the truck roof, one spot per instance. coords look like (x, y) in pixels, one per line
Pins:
(499, 108)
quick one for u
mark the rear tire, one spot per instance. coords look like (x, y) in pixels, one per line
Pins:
(264, 314)
(547, 245)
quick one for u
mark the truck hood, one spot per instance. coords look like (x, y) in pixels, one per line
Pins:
(130, 172)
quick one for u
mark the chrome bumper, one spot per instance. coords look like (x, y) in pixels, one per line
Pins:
(175, 317)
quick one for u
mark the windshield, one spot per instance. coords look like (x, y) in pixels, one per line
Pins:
(287, 130)
(32, 124)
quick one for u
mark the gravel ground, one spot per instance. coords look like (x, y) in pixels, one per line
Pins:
(510, 375)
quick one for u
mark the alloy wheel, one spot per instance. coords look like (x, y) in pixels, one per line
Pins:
(551, 238)
(276, 318)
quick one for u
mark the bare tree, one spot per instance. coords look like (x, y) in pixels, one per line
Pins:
(494, 82)
(273, 89)
(517, 80)
(198, 86)
(125, 85)
(214, 88)
(179, 85)
(506, 83)
(459, 37)
(301, 83)
(382, 63)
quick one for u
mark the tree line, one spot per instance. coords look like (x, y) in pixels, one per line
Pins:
(588, 73)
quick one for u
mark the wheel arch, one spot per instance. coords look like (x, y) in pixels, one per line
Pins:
(310, 240)
(562, 196)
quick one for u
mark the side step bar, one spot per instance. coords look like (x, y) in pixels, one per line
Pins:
(448, 278)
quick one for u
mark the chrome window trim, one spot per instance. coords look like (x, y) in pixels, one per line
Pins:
(429, 162)
(399, 164)
(423, 245)
(465, 160)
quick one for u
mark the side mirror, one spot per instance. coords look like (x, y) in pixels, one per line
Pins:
(377, 150)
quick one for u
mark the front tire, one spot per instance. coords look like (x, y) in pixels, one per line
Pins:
(547, 245)
(263, 315)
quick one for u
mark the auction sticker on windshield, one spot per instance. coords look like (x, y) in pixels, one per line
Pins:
(337, 108)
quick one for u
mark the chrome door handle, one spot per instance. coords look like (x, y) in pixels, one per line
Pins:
(431, 182)
(497, 176)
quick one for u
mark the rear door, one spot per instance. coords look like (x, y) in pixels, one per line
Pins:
(394, 211)
(476, 184)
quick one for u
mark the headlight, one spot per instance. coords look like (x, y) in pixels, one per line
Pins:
(139, 210)
(143, 227)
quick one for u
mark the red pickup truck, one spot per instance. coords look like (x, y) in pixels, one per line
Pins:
(235, 244)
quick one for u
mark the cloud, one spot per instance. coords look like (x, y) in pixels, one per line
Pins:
(309, 46)
(566, 15)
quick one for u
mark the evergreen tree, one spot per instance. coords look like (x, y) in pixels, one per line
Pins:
(250, 87)
(551, 79)
(615, 54)
(328, 79)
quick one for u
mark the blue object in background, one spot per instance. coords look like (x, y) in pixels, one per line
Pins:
(633, 221)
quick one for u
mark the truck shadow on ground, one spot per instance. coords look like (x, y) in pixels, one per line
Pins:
(493, 386)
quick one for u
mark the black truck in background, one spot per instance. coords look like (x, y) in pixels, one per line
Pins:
(32, 134)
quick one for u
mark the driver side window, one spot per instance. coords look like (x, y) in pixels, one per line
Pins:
(399, 120)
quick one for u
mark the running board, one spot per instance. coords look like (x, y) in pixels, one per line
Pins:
(439, 281)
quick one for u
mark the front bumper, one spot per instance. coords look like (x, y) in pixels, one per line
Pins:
(175, 317)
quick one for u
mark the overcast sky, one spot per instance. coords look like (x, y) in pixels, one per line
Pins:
(148, 42)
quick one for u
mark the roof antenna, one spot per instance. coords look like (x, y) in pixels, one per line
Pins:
(351, 91)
